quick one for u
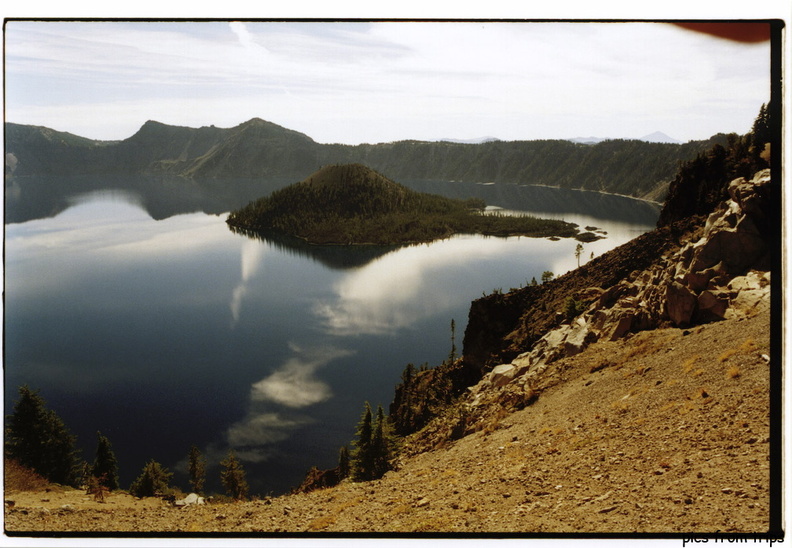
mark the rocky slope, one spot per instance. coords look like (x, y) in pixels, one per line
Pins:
(721, 272)
(647, 412)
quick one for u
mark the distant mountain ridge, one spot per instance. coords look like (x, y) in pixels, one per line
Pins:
(659, 137)
(262, 149)
(656, 137)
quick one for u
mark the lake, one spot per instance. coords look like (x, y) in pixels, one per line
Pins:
(168, 333)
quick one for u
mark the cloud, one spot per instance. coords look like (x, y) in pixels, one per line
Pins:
(370, 82)
(294, 384)
(240, 30)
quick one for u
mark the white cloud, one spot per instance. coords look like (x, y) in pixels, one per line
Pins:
(356, 82)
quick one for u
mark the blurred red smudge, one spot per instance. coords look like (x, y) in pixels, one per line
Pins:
(739, 32)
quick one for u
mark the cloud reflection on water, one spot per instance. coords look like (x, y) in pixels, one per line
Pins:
(253, 252)
(400, 288)
(292, 386)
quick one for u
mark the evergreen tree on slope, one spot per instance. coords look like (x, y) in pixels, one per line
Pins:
(38, 439)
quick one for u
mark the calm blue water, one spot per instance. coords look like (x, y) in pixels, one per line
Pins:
(164, 334)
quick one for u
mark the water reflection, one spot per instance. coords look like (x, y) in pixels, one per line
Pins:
(252, 257)
(294, 384)
(272, 415)
(550, 202)
(417, 282)
(333, 256)
(37, 197)
(220, 341)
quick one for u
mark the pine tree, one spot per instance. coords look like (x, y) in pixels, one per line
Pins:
(38, 439)
(343, 462)
(153, 481)
(374, 446)
(233, 477)
(761, 133)
(105, 466)
(362, 462)
(197, 470)
(381, 445)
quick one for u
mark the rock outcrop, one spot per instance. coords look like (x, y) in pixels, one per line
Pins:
(723, 272)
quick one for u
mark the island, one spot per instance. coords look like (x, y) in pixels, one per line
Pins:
(352, 204)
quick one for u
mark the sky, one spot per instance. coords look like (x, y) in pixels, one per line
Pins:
(364, 82)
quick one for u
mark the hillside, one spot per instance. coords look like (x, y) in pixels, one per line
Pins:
(261, 149)
(353, 204)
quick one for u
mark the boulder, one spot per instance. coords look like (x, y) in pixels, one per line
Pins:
(748, 302)
(680, 303)
(502, 374)
(752, 280)
(619, 327)
(578, 339)
(712, 306)
(189, 500)
(589, 294)
(698, 281)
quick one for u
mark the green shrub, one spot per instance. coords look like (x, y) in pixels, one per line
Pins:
(573, 308)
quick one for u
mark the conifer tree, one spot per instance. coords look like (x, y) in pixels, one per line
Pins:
(197, 470)
(362, 462)
(153, 481)
(374, 446)
(381, 446)
(343, 462)
(38, 439)
(761, 133)
(105, 466)
(233, 477)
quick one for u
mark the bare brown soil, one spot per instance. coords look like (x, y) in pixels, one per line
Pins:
(665, 431)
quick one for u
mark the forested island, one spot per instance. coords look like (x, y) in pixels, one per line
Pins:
(352, 204)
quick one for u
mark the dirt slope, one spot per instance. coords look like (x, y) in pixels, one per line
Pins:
(667, 430)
